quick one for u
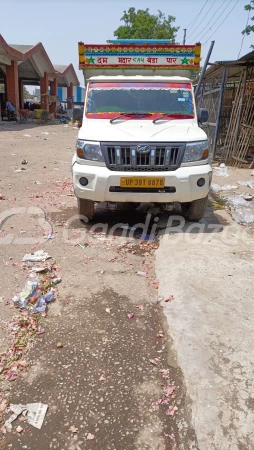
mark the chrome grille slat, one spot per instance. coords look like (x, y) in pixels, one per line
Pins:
(125, 157)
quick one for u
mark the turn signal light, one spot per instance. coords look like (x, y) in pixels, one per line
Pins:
(205, 154)
(80, 153)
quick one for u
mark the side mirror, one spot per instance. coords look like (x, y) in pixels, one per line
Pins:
(203, 115)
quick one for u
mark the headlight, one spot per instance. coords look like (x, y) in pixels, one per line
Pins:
(196, 151)
(89, 150)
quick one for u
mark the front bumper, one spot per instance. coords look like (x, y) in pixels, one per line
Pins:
(101, 180)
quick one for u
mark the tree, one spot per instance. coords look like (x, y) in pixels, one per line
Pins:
(141, 24)
(25, 93)
(249, 28)
(1, 88)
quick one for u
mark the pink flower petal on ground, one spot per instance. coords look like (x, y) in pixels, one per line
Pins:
(170, 390)
(171, 411)
(130, 316)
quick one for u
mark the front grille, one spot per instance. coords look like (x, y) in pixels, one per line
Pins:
(165, 190)
(125, 157)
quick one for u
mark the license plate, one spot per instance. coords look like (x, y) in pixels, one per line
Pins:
(142, 182)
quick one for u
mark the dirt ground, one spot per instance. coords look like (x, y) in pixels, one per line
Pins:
(119, 367)
(111, 376)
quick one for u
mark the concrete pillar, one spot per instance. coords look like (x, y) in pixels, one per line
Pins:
(44, 85)
(70, 94)
(12, 84)
(53, 91)
(21, 94)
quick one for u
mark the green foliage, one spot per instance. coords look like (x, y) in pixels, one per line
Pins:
(141, 24)
(25, 93)
(250, 28)
(1, 88)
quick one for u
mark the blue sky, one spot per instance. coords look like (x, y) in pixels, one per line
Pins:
(60, 24)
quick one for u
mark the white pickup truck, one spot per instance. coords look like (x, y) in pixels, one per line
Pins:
(140, 141)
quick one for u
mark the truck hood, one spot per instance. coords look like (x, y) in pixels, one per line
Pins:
(102, 130)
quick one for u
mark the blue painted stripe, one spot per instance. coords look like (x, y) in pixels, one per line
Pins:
(79, 94)
(139, 41)
(60, 94)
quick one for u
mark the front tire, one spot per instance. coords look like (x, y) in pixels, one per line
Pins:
(195, 211)
(86, 208)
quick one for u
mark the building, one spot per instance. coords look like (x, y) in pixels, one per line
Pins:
(30, 65)
(227, 91)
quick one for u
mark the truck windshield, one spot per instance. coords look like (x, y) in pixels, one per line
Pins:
(108, 100)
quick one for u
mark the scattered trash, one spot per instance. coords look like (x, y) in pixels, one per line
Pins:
(83, 245)
(152, 361)
(24, 161)
(102, 378)
(55, 168)
(242, 210)
(44, 132)
(243, 216)
(38, 256)
(252, 173)
(59, 345)
(27, 135)
(169, 299)
(142, 274)
(236, 201)
(40, 330)
(42, 302)
(22, 299)
(19, 429)
(1, 197)
(221, 171)
(227, 187)
(249, 183)
(50, 236)
(39, 291)
(108, 310)
(66, 126)
(247, 197)
(140, 307)
(90, 436)
(161, 335)
(33, 412)
(37, 182)
(73, 429)
(130, 316)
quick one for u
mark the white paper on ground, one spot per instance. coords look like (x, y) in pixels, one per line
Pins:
(38, 256)
(34, 413)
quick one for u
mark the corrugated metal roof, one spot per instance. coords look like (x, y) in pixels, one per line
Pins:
(21, 48)
(234, 67)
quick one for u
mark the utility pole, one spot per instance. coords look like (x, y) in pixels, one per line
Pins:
(184, 35)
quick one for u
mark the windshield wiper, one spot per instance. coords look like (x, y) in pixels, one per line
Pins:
(171, 116)
(135, 113)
